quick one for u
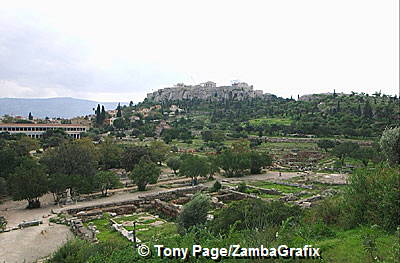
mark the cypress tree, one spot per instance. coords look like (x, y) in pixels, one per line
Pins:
(30, 117)
(367, 110)
(103, 114)
(119, 113)
(358, 111)
(97, 112)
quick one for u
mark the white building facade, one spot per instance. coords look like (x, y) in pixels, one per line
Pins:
(37, 130)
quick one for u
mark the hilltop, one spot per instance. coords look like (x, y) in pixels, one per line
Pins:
(207, 91)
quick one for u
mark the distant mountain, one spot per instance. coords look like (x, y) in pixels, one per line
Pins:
(51, 107)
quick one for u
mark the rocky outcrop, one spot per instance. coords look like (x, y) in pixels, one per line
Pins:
(206, 91)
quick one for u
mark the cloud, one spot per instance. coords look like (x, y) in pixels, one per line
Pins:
(124, 49)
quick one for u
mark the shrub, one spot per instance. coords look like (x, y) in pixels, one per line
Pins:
(3, 223)
(253, 213)
(194, 213)
(216, 187)
(372, 197)
(329, 211)
(390, 145)
(242, 187)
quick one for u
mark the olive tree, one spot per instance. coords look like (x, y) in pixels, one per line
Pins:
(390, 145)
(146, 172)
(28, 182)
(194, 212)
(194, 167)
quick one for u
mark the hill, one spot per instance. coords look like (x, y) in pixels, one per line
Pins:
(51, 107)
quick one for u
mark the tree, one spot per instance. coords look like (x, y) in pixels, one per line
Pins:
(102, 115)
(119, 123)
(119, 113)
(132, 155)
(146, 172)
(106, 180)
(390, 145)
(174, 163)
(233, 163)
(76, 159)
(194, 212)
(241, 146)
(159, 151)
(194, 166)
(28, 182)
(98, 115)
(30, 117)
(9, 160)
(364, 154)
(367, 110)
(213, 165)
(216, 186)
(58, 184)
(109, 154)
(3, 187)
(344, 150)
(53, 138)
(326, 144)
(258, 161)
(23, 145)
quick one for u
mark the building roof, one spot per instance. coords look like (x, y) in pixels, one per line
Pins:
(39, 125)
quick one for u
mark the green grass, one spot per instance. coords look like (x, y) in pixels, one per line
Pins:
(154, 233)
(282, 188)
(347, 246)
(269, 196)
(288, 146)
(270, 121)
(106, 232)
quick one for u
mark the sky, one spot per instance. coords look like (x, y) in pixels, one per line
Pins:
(122, 50)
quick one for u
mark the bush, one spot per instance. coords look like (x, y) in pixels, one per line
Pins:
(372, 197)
(80, 251)
(390, 145)
(329, 211)
(216, 187)
(194, 213)
(242, 187)
(258, 160)
(251, 214)
(3, 223)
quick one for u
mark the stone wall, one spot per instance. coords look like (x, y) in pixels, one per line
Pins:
(143, 203)
(170, 210)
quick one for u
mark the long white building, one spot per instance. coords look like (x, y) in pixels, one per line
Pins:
(37, 130)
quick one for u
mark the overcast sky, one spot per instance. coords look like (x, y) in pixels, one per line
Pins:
(121, 50)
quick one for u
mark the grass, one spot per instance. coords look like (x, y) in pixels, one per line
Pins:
(347, 246)
(270, 121)
(153, 232)
(156, 232)
(269, 196)
(106, 232)
(282, 188)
